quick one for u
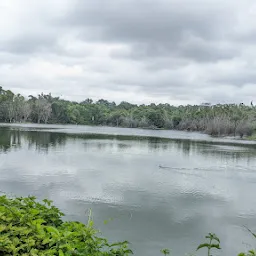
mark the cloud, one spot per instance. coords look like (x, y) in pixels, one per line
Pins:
(175, 51)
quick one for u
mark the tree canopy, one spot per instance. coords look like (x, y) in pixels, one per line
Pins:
(227, 119)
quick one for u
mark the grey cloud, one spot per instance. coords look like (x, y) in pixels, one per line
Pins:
(27, 44)
(159, 28)
(175, 49)
(208, 51)
(141, 21)
(237, 80)
(200, 52)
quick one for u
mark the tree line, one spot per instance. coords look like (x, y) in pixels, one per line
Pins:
(227, 119)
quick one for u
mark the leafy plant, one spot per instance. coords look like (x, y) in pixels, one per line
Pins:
(214, 242)
(165, 251)
(251, 252)
(30, 228)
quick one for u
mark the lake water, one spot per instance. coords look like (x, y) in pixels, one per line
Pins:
(159, 188)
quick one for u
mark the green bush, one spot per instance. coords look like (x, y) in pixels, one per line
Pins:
(30, 228)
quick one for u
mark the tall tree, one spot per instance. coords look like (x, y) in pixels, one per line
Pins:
(42, 109)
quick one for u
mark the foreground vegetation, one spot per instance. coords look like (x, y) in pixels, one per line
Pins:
(217, 120)
(31, 228)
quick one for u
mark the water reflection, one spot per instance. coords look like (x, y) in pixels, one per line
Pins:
(200, 187)
(42, 141)
(9, 139)
(12, 139)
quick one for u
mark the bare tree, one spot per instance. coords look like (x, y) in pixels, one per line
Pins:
(26, 111)
(42, 109)
(47, 110)
(8, 110)
(18, 103)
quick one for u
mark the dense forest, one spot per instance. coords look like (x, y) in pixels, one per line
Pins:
(228, 119)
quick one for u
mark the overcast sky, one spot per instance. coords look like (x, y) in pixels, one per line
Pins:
(141, 51)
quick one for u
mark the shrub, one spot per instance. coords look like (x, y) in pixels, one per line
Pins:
(30, 228)
(219, 126)
(245, 129)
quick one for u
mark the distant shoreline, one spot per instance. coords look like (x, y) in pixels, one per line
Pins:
(215, 120)
(124, 132)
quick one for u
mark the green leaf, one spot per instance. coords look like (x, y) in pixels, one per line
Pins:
(216, 238)
(203, 246)
(61, 253)
(2, 227)
(252, 253)
(165, 251)
(46, 241)
(52, 230)
(217, 246)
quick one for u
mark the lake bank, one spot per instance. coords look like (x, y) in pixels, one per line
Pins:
(133, 132)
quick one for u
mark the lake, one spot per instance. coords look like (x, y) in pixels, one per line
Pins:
(158, 189)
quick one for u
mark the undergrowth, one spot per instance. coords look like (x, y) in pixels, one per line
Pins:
(32, 228)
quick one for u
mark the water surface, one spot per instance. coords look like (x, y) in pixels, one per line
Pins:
(160, 188)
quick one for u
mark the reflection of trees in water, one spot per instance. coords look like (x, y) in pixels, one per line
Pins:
(9, 139)
(235, 152)
(43, 140)
(209, 149)
(216, 150)
(206, 148)
(107, 145)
